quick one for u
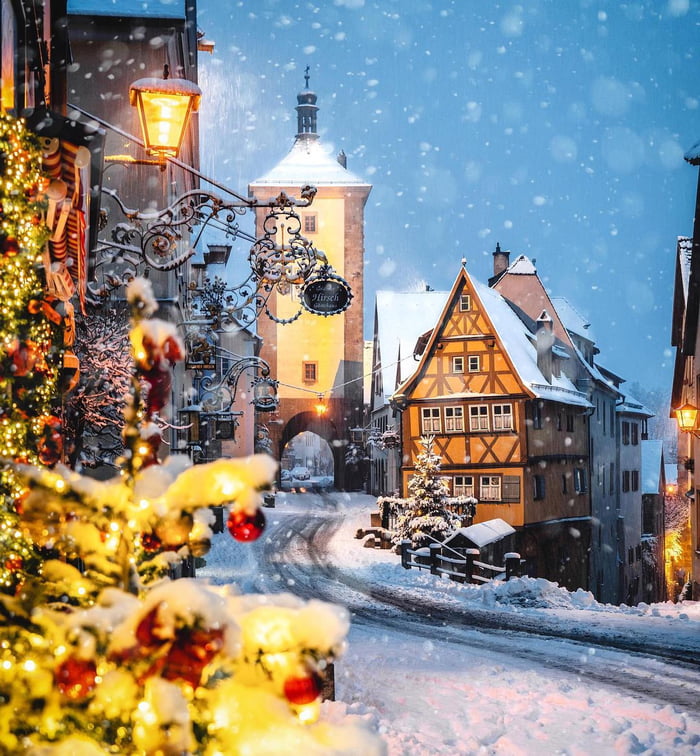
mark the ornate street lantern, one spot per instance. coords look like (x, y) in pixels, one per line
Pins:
(164, 107)
(686, 416)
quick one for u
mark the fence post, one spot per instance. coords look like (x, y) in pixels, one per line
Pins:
(469, 555)
(512, 559)
(405, 556)
(434, 557)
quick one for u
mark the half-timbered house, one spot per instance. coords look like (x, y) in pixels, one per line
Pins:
(510, 426)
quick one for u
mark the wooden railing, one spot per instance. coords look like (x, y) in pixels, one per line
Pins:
(467, 569)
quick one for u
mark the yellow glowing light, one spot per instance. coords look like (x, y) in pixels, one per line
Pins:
(308, 713)
(29, 665)
(60, 485)
(7, 664)
(114, 526)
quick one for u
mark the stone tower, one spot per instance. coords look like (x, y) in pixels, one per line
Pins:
(317, 358)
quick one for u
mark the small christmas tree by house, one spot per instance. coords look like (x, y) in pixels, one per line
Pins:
(426, 518)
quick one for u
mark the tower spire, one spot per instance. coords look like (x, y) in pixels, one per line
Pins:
(306, 110)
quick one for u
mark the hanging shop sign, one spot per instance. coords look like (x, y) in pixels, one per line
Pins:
(328, 294)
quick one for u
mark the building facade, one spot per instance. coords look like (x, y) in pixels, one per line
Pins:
(317, 360)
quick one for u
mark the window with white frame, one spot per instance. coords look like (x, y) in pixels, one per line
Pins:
(458, 364)
(430, 420)
(479, 418)
(490, 488)
(454, 419)
(463, 485)
(465, 303)
(474, 363)
(503, 417)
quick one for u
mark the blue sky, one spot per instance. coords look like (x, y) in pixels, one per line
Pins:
(555, 127)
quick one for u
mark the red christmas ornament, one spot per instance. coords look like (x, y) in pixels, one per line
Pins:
(10, 246)
(25, 356)
(190, 654)
(151, 542)
(14, 563)
(245, 527)
(75, 678)
(302, 689)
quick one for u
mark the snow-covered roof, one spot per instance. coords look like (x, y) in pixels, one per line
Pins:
(130, 8)
(652, 456)
(309, 162)
(483, 533)
(522, 266)
(693, 154)
(516, 340)
(402, 316)
(632, 406)
(573, 320)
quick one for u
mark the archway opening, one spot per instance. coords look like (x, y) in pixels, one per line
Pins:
(307, 463)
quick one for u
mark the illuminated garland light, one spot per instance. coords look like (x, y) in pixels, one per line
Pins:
(28, 359)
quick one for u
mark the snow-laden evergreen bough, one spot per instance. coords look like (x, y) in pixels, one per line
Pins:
(100, 652)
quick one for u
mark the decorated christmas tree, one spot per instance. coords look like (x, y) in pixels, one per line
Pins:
(425, 517)
(100, 651)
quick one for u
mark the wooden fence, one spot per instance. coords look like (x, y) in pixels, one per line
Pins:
(467, 569)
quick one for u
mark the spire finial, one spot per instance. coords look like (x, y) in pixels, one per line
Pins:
(306, 76)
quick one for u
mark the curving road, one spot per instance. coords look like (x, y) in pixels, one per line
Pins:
(295, 555)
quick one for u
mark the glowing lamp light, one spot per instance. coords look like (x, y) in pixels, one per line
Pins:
(164, 107)
(686, 416)
(321, 407)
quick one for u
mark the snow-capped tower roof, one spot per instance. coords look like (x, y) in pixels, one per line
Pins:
(309, 161)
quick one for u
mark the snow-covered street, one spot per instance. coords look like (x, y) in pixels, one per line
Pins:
(433, 683)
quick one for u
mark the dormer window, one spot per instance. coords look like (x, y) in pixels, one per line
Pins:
(465, 303)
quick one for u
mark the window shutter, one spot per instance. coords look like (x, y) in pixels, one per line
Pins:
(511, 488)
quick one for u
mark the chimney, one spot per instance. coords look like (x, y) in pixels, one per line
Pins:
(544, 336)
(501, 261)
(343, 159)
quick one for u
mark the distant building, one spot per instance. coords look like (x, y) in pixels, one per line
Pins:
(318, 359)
(529, 423)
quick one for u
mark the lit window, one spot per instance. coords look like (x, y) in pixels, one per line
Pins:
(458, 364)
(310, 372)
(490, 488)
(479, 418)
(463, 485)
(430, 419)
(474, 364)
(503, 417)
(454, 420)
(465, 303)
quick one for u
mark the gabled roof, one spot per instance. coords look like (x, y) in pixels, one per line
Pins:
(402, 316)
(632, 406)
(309, 162)
(514, 338)
(652, 465)
(573, 320)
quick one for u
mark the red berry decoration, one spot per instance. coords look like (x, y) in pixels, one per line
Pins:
(303, 689)
(75, 678)
(190, 654)
(14, 563)
(245, 527)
